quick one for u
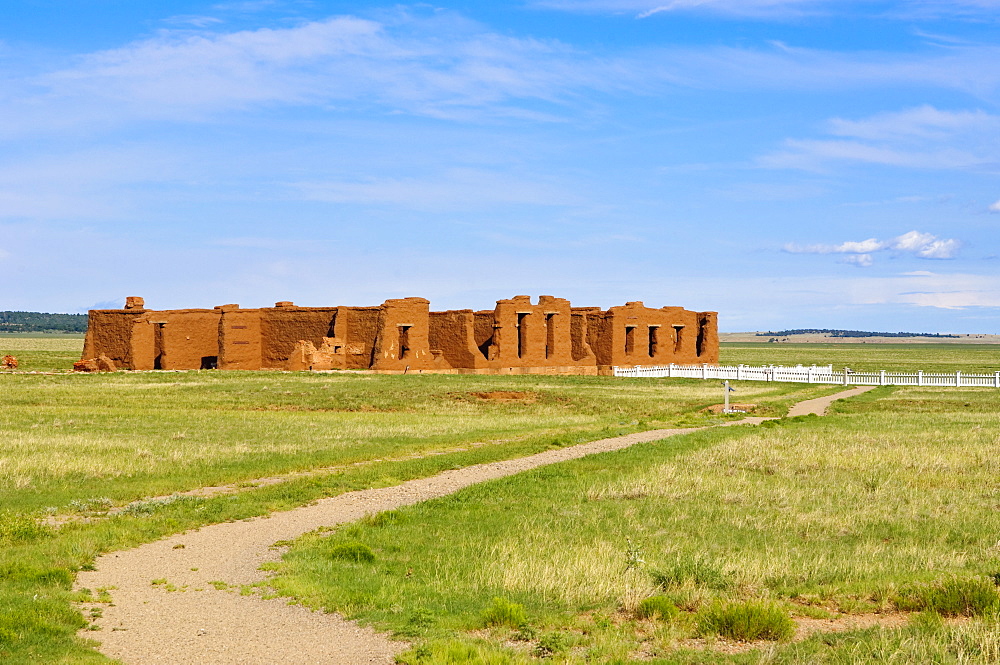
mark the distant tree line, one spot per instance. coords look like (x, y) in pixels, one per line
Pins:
(41, 322)
(847, 333)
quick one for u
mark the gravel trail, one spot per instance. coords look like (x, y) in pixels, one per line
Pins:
(184, 619)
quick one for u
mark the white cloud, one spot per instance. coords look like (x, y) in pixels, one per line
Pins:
(441, 67)
(860, 260)
(922, 137)
(995, 207)
(849, 247)
(448, 67)
(922, 245)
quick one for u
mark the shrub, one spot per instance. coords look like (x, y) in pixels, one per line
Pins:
(357, 552)
(657, 607)
(502, 612)
(974, 596)
(746, 621)
(551, 643)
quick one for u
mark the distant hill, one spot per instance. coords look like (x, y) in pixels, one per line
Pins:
(847, 333)
(41, 322)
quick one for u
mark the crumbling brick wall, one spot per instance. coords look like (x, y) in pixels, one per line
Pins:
(402, 334)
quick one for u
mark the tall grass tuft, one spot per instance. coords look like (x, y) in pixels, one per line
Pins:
(693, 570)
(746, 622)
(356, 552)
(15, 529)
(503, 612)
(456, 652)
(976, 596)
(657, 607)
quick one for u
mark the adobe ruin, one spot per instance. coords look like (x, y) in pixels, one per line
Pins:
(517, 337)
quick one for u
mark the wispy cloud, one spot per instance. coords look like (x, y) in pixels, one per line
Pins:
(445, 66)
(922, 137)
(915, 243)
(777, 8)
(454, 189)
(927, 289)
(441, 67)
(995, 207)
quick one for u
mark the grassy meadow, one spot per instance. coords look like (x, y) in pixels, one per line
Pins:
(891, 505)
(78, 445)
(645, 555)
(41, 352)
(862, 357)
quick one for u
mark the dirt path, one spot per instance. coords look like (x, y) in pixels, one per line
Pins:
(166, 609)
(821, 404)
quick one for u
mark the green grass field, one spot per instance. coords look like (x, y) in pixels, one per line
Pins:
(873, 510)
(846, 514)
(39, 352)
(930, 357)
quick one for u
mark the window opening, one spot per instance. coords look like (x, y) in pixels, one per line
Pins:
(521, 334)
(404, 342)
(653, 330)
(629, 340)
(678, 338)
(550, 335)
(158, 346)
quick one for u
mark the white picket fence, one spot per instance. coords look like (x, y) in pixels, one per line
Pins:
(813, 374)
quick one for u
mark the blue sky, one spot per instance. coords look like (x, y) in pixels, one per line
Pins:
(788, 163)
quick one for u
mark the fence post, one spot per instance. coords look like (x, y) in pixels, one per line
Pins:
(739, 373)
(996, 379)
(845, 376)
(670, 371)
(958, 379)
(881, 377)
(809, 374)
(704, 370)
(920, 377)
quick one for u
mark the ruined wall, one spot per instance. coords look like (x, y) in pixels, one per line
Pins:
(185, 338)
(284, 325)
(708, 347)
(109, 333)
(453, 333)
(541, 335)
(359, 327)
(517, 336)
(485, 327)
(579, 344)
(403, 337)
(240, 338)
(634, 334)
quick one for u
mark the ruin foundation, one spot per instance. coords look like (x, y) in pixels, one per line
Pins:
(403, 335)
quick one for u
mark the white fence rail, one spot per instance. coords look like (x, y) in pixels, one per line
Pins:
(813, 374)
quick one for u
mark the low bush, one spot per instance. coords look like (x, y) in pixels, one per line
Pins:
(503, 612)
(974, 596)
(16, 529)
(550, 644)
(657, 607)
(356, 552)
(746, 622)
